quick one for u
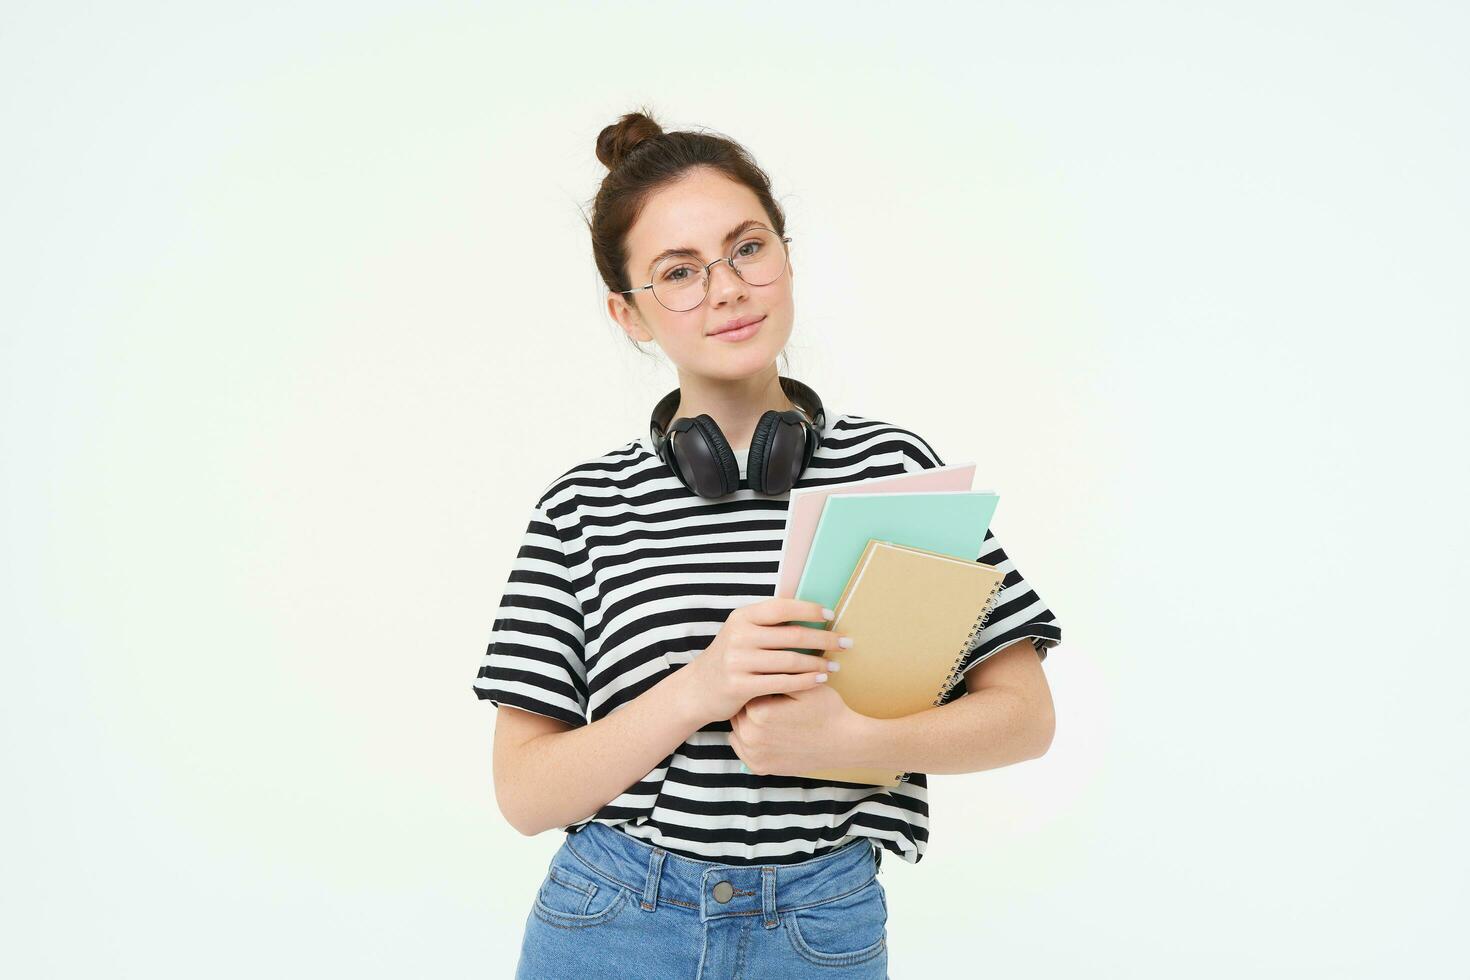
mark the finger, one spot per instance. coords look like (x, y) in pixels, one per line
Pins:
(800, 637)
(774, 611)
(785, 661)
(786, 685)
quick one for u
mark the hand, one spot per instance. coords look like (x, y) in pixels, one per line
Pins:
(789, 734)
(756, 653)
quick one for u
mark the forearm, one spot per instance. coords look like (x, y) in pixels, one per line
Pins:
(985, 729)
(563, 777)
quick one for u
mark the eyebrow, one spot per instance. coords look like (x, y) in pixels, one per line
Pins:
(687, 250)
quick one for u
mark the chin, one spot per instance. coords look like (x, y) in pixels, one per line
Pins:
(746, 360)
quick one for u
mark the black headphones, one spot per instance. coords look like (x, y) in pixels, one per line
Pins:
(780, 448)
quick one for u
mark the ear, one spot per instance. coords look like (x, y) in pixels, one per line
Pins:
(627, 317)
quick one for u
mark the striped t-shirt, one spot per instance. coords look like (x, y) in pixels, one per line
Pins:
(624, 576)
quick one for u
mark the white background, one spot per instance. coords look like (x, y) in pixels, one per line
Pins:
(299, 315)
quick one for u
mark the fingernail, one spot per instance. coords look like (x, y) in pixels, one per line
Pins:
(821, 678)
(845, 642)
(828, 614)
(833, 665)
(744, 768)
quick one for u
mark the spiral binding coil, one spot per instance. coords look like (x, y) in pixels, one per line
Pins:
(955, 671)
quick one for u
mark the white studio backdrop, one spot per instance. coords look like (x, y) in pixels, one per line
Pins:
(299, 314)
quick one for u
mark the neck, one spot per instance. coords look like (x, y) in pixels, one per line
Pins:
(735, 405)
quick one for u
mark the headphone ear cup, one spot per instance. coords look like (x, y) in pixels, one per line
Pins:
(706, 460)
(757, 463)
(779, 450)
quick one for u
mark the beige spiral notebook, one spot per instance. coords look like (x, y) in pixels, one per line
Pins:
(913, 616)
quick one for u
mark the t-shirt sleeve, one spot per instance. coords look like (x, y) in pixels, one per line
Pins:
(1020, 612)
(535, 659)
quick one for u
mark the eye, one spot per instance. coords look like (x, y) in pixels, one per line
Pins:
(673, 275)
(740, 250)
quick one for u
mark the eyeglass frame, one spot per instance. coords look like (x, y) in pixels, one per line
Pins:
(784, 239)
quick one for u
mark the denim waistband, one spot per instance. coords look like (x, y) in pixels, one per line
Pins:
(655, 875)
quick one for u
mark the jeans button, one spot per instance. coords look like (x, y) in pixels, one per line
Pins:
(723, 891)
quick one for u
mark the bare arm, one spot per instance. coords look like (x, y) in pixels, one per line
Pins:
(1006, 717)
(548, 775)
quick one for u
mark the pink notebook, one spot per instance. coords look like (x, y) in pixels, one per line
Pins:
(806, 505)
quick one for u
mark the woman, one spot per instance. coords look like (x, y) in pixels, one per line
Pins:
(652, 702)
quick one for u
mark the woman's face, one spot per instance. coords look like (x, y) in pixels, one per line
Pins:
(699, 211)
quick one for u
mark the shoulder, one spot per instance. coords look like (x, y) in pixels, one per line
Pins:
(864, 433)
(609, 469)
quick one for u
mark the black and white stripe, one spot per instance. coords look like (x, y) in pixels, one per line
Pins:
(624, 575)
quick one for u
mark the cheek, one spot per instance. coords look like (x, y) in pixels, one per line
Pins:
(677, 333)
(688, 329)
(784, 313)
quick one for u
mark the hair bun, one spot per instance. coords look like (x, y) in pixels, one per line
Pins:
(616, 141)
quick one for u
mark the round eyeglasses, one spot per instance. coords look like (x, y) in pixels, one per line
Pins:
(680, 283)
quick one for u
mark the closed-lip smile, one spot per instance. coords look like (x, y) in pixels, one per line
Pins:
(736, 324)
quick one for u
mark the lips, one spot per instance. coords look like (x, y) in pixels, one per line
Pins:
(736, 324)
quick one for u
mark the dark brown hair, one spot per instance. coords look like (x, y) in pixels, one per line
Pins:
(641, 158)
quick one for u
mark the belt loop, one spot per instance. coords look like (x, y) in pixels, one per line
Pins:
(768, 896)
(650, 887)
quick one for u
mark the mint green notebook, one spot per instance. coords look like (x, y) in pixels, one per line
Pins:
(949, 522)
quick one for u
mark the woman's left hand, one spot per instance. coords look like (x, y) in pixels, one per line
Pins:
(788, 734)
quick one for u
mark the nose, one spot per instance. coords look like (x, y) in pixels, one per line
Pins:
(725, 283)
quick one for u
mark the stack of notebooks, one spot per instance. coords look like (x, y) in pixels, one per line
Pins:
(895, 559)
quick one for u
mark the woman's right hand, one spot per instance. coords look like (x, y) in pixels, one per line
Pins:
(750, 656)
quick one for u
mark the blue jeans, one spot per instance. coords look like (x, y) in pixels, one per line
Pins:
(614, 906)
